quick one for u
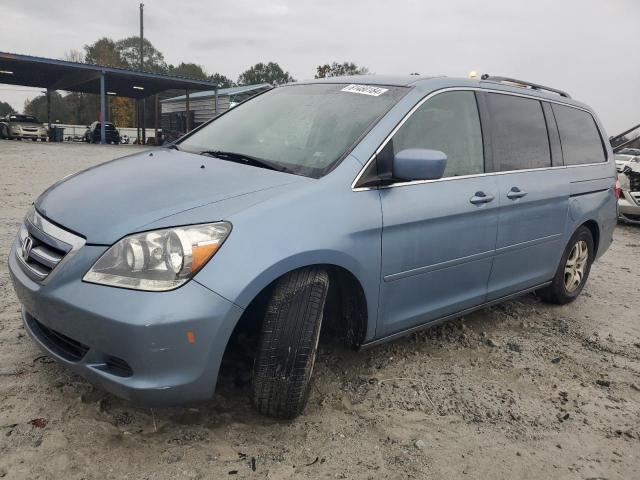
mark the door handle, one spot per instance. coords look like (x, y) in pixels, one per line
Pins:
(480, 197)
(515, 193)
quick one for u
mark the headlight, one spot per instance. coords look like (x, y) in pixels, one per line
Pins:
(158, 260)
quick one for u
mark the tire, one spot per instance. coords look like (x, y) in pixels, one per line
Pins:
(288, 343)
(566, 286)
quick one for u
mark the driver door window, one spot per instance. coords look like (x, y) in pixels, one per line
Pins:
(450, 123)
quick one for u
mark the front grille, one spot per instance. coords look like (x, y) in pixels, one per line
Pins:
(42, 246)
(40, 258)
(630, 216)
(66, 347)
(634, 180)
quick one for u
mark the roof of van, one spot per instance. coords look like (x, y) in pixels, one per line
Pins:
(429, 82)
(393, 80)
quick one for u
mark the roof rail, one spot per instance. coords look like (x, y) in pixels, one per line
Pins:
(522, 83)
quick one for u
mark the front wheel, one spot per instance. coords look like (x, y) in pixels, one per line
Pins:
(573, 270)
(288, 343)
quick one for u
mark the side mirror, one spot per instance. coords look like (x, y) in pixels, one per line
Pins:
(419, 164)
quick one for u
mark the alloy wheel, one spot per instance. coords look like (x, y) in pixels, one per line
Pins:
(576, 266)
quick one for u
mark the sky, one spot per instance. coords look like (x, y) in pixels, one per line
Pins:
(586, 47)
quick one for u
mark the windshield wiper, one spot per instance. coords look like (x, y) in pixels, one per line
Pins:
(246, 159)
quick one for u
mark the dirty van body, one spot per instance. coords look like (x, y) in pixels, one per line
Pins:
(377, 205)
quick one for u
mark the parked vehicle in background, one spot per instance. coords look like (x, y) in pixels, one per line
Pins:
(375, 205)
(628, 166)
(92, 134)
(629, 151)
(622, 159)
(18, 126)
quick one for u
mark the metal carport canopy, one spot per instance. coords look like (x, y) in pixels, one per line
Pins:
(52, 74)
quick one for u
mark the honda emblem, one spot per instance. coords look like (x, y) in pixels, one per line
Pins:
(27, 245)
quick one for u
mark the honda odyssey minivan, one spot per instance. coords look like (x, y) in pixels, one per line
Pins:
(375, 205)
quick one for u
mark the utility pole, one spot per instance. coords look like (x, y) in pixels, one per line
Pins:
(144, 100)
(141, 35)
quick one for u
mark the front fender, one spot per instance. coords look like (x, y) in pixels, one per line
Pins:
(321, 223)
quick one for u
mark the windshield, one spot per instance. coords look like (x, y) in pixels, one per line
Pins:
(23, 119)
(305, 129)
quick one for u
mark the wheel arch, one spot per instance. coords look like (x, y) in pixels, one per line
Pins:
(346, 314)
(594, 228)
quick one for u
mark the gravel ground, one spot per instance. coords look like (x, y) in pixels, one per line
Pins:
(521, 390)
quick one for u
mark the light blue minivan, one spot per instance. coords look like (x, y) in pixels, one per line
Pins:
(371, 205)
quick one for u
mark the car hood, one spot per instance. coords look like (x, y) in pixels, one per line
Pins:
(107, 202)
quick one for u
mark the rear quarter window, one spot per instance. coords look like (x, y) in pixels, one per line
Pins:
(579, 136)
(519, 133)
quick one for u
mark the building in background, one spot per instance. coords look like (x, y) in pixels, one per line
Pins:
(179, 116)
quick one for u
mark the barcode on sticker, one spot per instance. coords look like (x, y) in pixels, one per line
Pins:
(365, 89)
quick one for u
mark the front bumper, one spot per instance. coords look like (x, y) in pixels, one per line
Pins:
(29, 135)
(146, 331)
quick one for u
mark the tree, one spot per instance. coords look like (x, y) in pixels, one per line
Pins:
(103, 52)
(38, 108)
(74, 55)
(339, 69)
(5, 109)
(265, 73)
(221, 80)
(129, 50)
(189, 70)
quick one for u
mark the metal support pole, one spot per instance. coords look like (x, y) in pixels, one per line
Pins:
(49, 109)
(144, 121)
(155, 110)
(188, 112)
(216, 101)
(103, 109)
(137, 108)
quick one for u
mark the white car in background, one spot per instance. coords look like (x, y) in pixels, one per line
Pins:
(20, 127)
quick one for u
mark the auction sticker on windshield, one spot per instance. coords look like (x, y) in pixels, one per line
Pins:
(365, 89)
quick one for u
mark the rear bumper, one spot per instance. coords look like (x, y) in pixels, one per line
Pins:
(146, 332)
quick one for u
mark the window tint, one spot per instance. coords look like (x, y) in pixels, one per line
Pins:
(519, 133)
(448, 122)
(581, 142)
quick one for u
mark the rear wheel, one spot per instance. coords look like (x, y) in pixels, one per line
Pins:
(573, 270)
(288, 343)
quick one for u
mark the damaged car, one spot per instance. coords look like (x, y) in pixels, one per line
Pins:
(629, 178)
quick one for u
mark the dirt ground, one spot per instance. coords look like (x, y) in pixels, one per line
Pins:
(521, 390)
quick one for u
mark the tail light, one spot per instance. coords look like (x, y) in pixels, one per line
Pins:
(617, 189)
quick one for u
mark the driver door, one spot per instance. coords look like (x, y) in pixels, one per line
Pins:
(439, 236)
